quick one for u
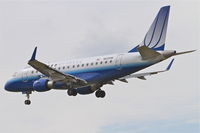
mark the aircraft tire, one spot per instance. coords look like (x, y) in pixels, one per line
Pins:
(100, 94)
(97, 94)
(72, 92)
(27, 102)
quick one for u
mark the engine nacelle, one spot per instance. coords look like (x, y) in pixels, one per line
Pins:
(42, 85)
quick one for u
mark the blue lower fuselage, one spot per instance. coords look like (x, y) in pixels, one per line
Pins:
(92, 76)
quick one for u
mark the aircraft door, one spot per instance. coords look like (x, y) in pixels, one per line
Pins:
(118, 62)
(24, 76)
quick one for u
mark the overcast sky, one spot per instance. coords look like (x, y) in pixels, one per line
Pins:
(167, 103)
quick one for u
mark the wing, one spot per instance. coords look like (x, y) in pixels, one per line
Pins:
(142, 75)
(54, 74)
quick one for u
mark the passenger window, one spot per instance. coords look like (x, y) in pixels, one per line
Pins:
(105, 62)
(73, 66)
(77, 65)
(110, 61)
(82, 65)
(87, 64)
(63, 67)
(101, 62)
(96, 63)
(67, 67)
(91, 64)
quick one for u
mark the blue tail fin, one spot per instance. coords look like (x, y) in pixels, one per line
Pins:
(155, 37)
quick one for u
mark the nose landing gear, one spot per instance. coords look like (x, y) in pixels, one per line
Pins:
(28, 101)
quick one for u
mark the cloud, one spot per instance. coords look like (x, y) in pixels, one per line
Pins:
(152, 127)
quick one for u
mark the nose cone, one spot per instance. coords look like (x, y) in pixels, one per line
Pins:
(9, 86)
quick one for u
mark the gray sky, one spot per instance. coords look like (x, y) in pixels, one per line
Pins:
(62, 30)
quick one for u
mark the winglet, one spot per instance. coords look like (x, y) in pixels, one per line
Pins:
(170, 64)
(34, 54)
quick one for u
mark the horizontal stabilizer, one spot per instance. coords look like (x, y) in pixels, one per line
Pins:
(143, 75)
(170, 64)
(147, 53)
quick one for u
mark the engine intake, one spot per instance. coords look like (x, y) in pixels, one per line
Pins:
(43, 85)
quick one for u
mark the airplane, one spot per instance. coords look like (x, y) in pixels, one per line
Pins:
(88, 75)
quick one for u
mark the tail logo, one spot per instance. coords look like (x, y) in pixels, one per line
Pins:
(155, 37)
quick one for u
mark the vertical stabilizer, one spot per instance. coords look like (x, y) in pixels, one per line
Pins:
(155, 37)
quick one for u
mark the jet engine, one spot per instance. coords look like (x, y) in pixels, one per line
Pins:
(43, 85)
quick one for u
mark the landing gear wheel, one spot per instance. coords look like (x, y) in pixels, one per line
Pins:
(72, 92)
(100, 94)
(27, 102)
(97, 94)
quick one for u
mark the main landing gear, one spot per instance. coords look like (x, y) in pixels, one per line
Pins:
(71, 92)
(100, 93)
(28, 101)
